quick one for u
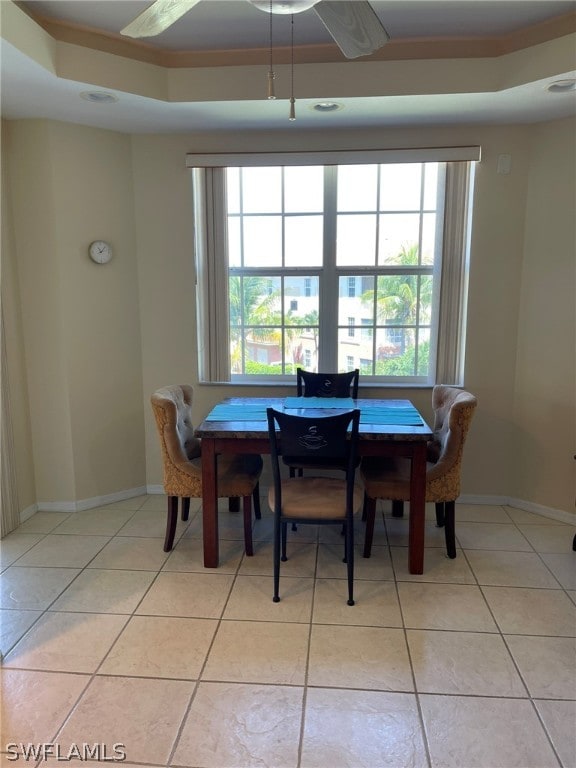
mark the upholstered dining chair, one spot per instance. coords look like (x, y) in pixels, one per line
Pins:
(390, 478)
(313, 499)
(237, 475)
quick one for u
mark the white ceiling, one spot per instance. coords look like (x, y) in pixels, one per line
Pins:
(29, 90)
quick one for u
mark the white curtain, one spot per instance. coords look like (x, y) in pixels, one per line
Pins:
(9, 505)
(211, 251)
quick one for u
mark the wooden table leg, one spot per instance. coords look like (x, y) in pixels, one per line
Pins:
(417, 509)
(209, 504)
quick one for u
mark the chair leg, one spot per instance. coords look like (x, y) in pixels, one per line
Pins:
(276, 597)
(292, 472)
(171, 522)
(350, 560)
(234, 504)
(247, 508)
(370, 507)
(574, 543)
(256, 497)
(440, 514)
(185, 508)
(397, 508)
(449, 529)
(284, 531)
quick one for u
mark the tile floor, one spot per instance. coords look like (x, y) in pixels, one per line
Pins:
(107, 640)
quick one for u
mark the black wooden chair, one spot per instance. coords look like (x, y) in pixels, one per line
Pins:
(314, 499)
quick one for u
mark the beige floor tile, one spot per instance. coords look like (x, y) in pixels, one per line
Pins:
(67, 642)
(258, 652)
(484, 733)
(161, 646)
(510, 569)
(398, 533)
(42, 522)
(193, 595)
(95, 522)
(64, 551)
(150, 523)
(522, 517)
(532, 611)
(142, 714)
(550, 537)
(491, 536)
(361, 728)
(133, 504)
(458, 607)
(373, 658)
(481, 513)
(559, 718)
(159, 502)
(377, 566)
(547, 664)
(35, 704)
(301, 560)
(15, 545)
(101, 591)
(13, 625)
(438, 567)
(572, 595)
(33, 589)
(230, 524)
(249, 726)
(188, 556)
(251, 599)
(376, 603)
(563, 566)
(467, 663)
(131, 553)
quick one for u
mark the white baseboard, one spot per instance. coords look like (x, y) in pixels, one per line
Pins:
(84, 504)
(156, 489)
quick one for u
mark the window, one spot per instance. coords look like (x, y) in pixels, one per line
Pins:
(309, 253)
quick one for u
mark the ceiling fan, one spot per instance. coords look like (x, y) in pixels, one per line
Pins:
(355, 27)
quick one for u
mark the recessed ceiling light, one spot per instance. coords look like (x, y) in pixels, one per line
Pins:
(99, 97)
(327, 106)
(562, 86)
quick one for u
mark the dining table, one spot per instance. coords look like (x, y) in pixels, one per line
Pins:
(388, 427)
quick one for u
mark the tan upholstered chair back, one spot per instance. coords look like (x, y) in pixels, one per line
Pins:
(453, 411)
(172, 407)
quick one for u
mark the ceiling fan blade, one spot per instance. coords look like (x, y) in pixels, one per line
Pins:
(353, 25)
(158, 17)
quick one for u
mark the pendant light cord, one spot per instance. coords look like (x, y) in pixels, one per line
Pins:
(292, 115)
(271, 75)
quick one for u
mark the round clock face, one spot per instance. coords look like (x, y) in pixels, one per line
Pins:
(100, 251)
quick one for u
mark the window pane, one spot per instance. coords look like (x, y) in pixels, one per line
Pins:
(428, 238)
(261, 190)
(356, 240)
(304, 189)
(303, 241)
(262, 241)
(233, 189)
(399, 235)
(358, 306)
(425, 307)
(357, 187)
(400, 187)
(234, 252)
(430, 186)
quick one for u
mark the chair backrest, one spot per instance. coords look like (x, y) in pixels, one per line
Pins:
(329, 438)
(311, 384)
(172, 407)
(453, 411)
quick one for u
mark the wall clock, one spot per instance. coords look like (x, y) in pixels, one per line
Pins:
(100, 251)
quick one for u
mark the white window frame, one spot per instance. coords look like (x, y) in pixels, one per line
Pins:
(210, 238)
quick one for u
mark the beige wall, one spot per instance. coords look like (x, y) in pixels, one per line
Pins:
(545, 386)
(134, 319)
(81, 325)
